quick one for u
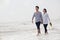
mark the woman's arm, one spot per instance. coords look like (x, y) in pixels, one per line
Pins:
(48, 17)
(49, 20)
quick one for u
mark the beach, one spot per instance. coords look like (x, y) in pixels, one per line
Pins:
(16, 15)
(27, 31)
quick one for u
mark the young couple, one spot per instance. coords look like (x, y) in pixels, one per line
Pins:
(41, 19)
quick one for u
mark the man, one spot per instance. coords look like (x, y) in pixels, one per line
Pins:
(38, 19)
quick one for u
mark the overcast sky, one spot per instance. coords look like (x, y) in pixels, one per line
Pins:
(21, 10)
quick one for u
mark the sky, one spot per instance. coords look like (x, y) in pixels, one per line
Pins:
(22, 10)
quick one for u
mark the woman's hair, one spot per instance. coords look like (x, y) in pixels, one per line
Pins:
(37, 7)
(45, 9)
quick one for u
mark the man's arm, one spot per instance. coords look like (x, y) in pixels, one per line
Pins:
(33, 17)
(41, 18)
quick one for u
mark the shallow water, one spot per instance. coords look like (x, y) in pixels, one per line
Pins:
(16, 31)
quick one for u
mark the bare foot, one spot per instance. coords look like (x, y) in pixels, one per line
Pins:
(37, 34)
(46, 33)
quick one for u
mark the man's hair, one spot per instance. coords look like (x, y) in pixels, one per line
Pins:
(45, 9)
(37, 7)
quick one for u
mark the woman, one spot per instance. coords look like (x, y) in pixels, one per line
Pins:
(46, 20)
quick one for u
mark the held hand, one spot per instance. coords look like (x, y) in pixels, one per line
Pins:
(41, 22)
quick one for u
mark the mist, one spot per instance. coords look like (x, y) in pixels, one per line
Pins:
(22, 10)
